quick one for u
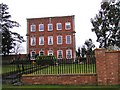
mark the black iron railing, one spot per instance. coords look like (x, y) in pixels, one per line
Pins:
(85, 65)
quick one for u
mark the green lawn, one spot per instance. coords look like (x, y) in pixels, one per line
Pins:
(59, 86)
(8, 68)
(68, 69)
(11, 68)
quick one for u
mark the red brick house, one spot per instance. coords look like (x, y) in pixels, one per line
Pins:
(51, 36)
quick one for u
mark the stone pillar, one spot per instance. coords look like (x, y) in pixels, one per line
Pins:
(101, 66)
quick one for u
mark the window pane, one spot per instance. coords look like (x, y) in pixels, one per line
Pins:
(59, 26)
(50, 27)
(33, 41)
(59, 54)
(50, 40)
(67, 26)
(41, 53)
(33, 28)
(68, 54)
(41, 27)
(59, 39)
(68, 39)
(50, 52)
(32, 56)
(41, 40)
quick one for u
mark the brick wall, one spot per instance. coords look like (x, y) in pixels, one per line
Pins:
(60, 79)
(108, 67)
(107, 72)
(11, 57)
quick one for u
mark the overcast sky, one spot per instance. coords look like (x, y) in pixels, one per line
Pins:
(83, 10)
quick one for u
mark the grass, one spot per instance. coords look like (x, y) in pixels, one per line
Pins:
(8, 68)
(68, 69)
(59, 86)
(11, 68)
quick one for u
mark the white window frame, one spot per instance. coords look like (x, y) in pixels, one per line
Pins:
(40, 52)
(58, 39)
(31, 55)
(49, 40)
(70, 54)
(40, 28)
(50, 52)
(49, 26)
(58, 54)
(68, 42)
(31, 28)
(31, 41)
(41, 37)
(67, 23)
(58, 25)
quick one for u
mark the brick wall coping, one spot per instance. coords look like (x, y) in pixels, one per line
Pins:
(108, 51)
(112, 51)
(100, 49)
(30, 75)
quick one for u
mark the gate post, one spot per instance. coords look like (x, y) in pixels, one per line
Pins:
(101, 66)
(107, 67)
(113, 67)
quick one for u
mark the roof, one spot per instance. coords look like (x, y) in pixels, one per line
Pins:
(51, 17)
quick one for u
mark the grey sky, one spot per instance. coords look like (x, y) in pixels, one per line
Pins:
(83, 10)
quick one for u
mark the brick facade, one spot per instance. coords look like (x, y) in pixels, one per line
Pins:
(45, 33)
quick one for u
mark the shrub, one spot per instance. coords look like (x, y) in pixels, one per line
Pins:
(46, 60)
(65, 61)
(23, 61)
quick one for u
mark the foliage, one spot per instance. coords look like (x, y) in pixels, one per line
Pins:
(83, 51)
(86, 49)
(106, 25)
(17, 48)
(65, 61)
(46, 60)
(78, 52)
(9, 38)
(90, 46)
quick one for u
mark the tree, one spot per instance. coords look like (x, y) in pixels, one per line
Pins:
(106, 24)
(78, 52)
(89, 44)
(9, 38)
(83, 51)
(87, 48)
(17, 48)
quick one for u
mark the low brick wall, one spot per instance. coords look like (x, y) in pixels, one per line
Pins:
(86, 79)
(11, 57)
(107, 72)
